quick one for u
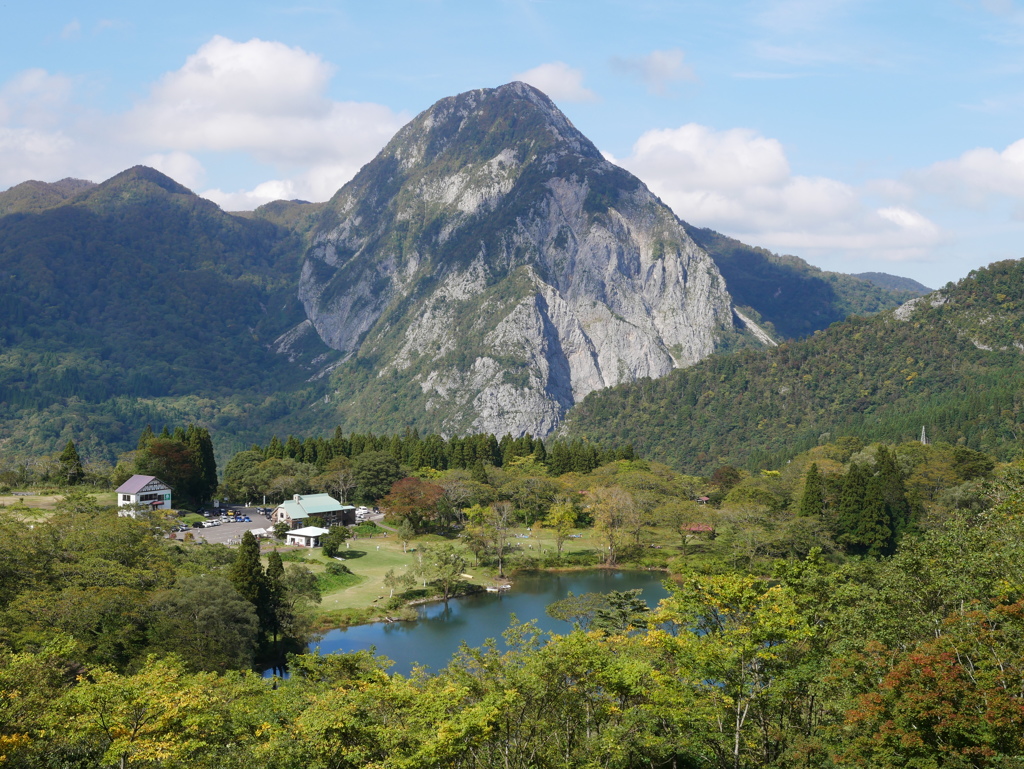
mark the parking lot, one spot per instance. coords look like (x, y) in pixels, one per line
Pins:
(230, 533)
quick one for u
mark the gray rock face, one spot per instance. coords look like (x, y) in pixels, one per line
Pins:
(493, 269)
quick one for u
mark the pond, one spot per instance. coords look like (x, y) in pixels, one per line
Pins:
(435, 636)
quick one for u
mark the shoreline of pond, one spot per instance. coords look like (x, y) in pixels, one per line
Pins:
(439, 630)
(470, 589)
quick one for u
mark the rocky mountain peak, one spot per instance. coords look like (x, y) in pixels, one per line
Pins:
(491, 267)
(478, 125)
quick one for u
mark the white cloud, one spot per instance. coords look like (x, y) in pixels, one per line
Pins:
(71, 30)
(262, 99)
(658, 69)
(740, 183)
(316, 184)
(246, 200)
(27, 153)
(34, 98)
(33, 143)
(559, 81)
(265, 98)
(976, 176)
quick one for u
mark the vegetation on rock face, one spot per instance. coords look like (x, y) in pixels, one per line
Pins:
(952, 365)
(467, 272)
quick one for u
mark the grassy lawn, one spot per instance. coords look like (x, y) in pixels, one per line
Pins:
(369, 559)
(48, 501)
(35, 502)
(364, 559)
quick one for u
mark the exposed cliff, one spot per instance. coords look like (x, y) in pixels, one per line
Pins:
(490, 268)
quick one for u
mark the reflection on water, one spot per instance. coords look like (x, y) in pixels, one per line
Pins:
(435, 636)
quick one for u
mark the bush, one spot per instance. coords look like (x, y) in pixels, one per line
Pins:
(336, 569)
(333, 540)
(394, 602)
(295, 556)
(367, 529)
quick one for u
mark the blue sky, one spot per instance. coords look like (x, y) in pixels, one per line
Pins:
(862, 135)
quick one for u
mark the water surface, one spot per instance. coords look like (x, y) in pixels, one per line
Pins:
(437, 633)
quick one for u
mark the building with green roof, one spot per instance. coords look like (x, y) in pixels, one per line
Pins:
(314, 509)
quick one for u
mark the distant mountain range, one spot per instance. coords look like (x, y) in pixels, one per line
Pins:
(487, 271)
(893, 282)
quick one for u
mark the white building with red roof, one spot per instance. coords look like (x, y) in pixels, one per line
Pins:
(143, 491)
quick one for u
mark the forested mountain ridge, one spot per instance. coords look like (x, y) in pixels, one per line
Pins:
(893, 282)
(136, 300)
(950, 362)
(31, 197)
(792, 298)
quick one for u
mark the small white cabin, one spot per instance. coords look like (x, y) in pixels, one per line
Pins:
(305, 537)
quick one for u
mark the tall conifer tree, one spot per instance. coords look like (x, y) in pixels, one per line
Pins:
(71, 471)
(894, 491)
(146, 436)
(249, 580)
(813, 500)
(873, 534)
(851, 502)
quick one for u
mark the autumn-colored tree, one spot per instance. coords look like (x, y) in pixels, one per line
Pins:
(955, 700)
(413, 500)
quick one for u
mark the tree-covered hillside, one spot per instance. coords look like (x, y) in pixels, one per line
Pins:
(136, 301)
(953, 364)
